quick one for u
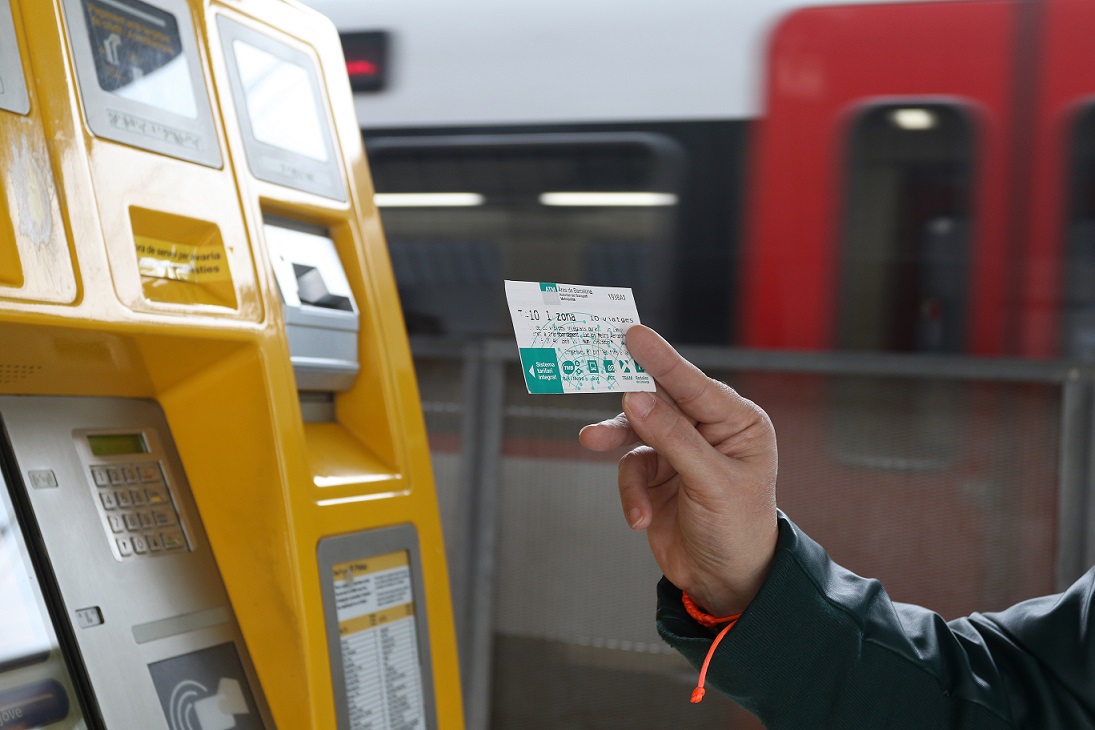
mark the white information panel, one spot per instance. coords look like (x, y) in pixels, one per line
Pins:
(375, 603)
(375, 611)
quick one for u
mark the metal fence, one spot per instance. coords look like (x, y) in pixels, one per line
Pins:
(961, 483)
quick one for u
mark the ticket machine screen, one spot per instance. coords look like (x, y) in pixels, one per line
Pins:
(287, 134)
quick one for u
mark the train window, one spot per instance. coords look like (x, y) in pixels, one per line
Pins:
(906, 233)
(463, 213)
(1078, 307)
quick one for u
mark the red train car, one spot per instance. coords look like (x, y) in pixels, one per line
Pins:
(921, 181)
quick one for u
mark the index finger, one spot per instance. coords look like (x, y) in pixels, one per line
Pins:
(695, 395)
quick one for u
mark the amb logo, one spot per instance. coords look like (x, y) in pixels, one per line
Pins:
(550, 290)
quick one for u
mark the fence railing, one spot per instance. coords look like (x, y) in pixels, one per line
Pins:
(963, 483)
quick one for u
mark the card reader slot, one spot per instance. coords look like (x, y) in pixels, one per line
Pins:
(176, 625)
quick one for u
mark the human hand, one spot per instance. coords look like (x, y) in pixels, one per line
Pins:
(703, 481)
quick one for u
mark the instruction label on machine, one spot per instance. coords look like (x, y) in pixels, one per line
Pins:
(374, 599)
(571, 337)
(161, 259)
(139, 55)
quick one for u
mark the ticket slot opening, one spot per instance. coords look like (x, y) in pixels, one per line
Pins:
(321, 317)
(181, 260)
(323, 323)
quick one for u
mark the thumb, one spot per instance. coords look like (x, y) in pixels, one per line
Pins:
(661, 426)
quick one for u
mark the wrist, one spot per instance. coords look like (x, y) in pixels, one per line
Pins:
(726, 585)
(702, 617)
(722, 599)
(716, 604)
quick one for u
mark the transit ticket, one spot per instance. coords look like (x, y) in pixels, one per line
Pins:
(571, 337)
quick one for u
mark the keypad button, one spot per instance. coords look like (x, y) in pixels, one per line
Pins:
(155, 544)
(124, 500)
(173, 540)
(146, 519)
(109, 500)
(42, 479)
(137, 497)
(117, 524)
(132, 522)
(155, 496)
(140, 545)
(88, 617)
(101, 476)
(125, 546)
(163, 518)
(115, 474)
(149, 472)
(129, 473)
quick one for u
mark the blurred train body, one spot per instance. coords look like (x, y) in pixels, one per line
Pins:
(800, 198)
(875, 219)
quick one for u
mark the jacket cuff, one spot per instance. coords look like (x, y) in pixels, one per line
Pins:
(788, 638)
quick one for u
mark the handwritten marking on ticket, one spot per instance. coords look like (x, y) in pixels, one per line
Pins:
(571, 337)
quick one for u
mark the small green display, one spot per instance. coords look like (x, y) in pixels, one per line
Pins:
(117, 444)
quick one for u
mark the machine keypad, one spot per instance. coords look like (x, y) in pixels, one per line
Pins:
(140, 517)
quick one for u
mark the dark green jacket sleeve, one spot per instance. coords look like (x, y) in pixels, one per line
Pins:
(820, 647)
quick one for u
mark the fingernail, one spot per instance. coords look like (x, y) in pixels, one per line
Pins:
(633, 517)
(641, 404)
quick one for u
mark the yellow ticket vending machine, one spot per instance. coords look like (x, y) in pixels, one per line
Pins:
(216, 505)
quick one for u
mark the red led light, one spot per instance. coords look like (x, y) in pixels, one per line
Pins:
(366, 55)
(361, 67)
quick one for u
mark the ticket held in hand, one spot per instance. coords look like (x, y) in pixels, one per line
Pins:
(571, 337)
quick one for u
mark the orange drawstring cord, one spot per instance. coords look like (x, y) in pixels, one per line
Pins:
(708, 621)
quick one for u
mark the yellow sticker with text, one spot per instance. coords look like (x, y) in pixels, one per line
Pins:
(160, 259)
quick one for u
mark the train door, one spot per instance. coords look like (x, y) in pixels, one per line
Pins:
(1057, 307)
(880, 192)
(883, 222)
